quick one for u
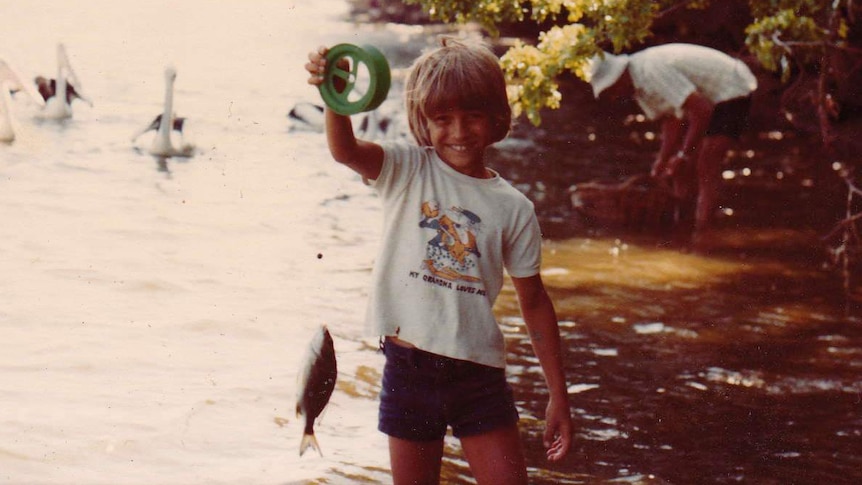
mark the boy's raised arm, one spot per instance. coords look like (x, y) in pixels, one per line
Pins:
(364, 157)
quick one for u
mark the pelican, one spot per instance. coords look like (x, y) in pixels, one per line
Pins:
(167, 122)
(58, 93)
(10, 82)
(306, 116)
(371, 125)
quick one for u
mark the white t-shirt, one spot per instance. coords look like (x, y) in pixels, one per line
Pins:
(446, 240)
(664, 76)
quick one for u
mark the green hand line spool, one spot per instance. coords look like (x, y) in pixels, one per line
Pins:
(363, 61)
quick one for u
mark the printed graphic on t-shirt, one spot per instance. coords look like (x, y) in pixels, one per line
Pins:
(451, 253)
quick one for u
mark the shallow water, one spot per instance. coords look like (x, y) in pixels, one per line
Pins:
(707, 370)
(153, 311)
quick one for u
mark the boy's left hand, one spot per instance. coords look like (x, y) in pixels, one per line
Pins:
(558, 430)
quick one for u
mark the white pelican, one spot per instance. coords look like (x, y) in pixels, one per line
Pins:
(58, 93)
(376, 125)
(305, 116)
(162, 145)
(11, 82)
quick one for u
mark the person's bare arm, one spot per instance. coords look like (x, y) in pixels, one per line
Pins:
(697, 111)
(364, 157)
(671, 136)
(681, 137)
(541, 320)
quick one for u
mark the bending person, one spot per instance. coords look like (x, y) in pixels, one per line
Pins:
(702, 97)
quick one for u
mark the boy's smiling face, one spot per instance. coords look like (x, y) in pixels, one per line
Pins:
(460, 137)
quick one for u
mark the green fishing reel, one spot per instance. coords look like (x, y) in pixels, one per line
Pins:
(366, 79)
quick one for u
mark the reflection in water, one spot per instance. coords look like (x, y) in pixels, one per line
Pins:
(162, 165)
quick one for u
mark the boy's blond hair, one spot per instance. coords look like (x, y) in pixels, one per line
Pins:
(458, 74)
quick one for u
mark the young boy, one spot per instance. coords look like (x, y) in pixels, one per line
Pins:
(451, 226)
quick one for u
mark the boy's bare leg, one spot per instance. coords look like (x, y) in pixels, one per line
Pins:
(415, 462)
(496, 457)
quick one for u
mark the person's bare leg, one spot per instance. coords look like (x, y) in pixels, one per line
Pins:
(684, 191)
(415, 462)
(712, 153)
(496, 457)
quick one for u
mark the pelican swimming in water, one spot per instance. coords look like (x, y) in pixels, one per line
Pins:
(162, 145)
(376, 125)
(58, 93)
(10, 82)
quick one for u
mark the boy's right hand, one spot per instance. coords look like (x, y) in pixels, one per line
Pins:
(316, 65)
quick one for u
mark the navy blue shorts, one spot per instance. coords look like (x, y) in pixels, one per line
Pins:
(424, 393)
